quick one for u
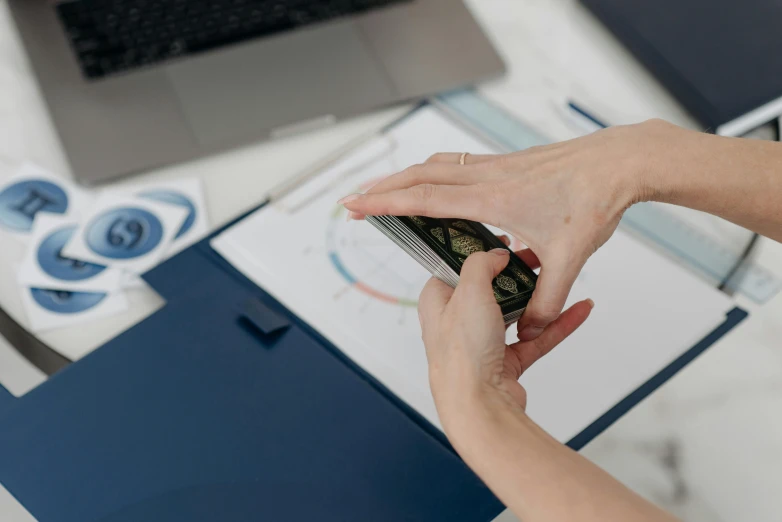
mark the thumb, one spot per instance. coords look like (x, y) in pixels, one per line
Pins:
(548, 299)
(478, 272)
(432, 302)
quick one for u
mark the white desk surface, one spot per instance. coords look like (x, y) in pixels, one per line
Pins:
(706, 445)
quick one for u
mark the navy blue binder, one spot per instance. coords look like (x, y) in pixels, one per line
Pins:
(225, 406)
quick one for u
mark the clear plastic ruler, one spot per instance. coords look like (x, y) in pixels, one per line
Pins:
(653, 222)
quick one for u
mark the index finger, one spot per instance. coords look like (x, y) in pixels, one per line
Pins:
(435, 201)
(439, 173)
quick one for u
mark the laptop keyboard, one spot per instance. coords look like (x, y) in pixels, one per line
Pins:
(112, 36)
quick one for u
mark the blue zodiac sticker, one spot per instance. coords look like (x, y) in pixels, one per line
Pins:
(68, 303)
(20, 202)
(54, 263)
(175, 198)
(124, 233)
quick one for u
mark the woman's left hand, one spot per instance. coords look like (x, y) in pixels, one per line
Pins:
(464, 334)
(474, 377)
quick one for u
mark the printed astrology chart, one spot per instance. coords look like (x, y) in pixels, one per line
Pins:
(373, 265)
(358, 289)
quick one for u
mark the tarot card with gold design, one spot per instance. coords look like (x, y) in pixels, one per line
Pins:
(442, 246)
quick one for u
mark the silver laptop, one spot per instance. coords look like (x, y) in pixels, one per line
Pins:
(136, 84)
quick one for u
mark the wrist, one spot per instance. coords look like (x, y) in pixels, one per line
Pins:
(636, 172)
(669, 151)
(490, 429)
(473, 411)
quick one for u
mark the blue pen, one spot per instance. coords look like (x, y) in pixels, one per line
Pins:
(574, 107)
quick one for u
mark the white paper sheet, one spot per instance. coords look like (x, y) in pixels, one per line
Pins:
(359, 290)
(648, 311)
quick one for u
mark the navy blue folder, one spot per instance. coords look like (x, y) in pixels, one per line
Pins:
(717, 57)
(224, 406)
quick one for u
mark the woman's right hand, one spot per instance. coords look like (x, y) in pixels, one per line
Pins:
(563, 200)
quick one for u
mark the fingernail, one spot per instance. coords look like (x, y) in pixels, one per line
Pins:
(348, 199)
(590, 303)
(530, 332)
(351, 216)
(499, 251)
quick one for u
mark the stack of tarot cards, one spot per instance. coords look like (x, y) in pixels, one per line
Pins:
(442, 245)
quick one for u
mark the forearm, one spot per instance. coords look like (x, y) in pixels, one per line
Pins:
(737, 179)
(538, 478)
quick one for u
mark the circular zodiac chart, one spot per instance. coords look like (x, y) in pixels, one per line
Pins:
(371, 263)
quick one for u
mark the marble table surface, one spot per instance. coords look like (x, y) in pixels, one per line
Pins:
(708, 444)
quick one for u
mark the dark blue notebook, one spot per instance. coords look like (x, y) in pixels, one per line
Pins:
(222, 406)
(718, 57)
